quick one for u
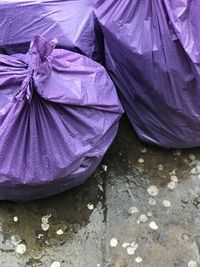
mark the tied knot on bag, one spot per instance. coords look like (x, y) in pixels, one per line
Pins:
(26, 89)
(38, 63)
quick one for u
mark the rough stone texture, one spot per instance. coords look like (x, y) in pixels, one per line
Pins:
(113, 191)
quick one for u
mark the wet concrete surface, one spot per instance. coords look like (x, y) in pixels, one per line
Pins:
(127, 223)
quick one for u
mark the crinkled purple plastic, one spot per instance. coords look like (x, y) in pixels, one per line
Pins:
(152, 50)
(59, 113)
(70, 21)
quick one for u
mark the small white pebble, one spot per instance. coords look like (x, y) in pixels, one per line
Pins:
(131, 250)
(143, 218)
(90, 206)
(60, 232)
(138, 260)
(20, 249)
(178, 152)
(15, 240)
(134, 245)
(140, 160)
(15, 219)
(174, 179)
(133, 210)
(171, 185)
(45, 219)
(160, 167)
(149, 214)
(98, 265)
(153, 226)
(113, 242)
(144, 150)
(192, 264)
(55, 264)
(152, 201)
(125, 245)
(153, 190)
(166, 203)
(40, 236)
(105, 168)
(192, 157)
(45, 226)
(100, 187)
(198, 176)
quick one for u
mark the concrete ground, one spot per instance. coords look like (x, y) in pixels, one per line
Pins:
(141, 208)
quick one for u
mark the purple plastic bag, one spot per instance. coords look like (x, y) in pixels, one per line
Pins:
(71, 22)
(152, 52)
(59, 113)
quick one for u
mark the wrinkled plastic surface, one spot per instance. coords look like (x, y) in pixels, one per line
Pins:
(59, 113)
(152, 50)
(70, 21)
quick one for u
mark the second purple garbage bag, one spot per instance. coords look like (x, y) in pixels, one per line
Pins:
(59, 113)
(70, 21)
(152, 50)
